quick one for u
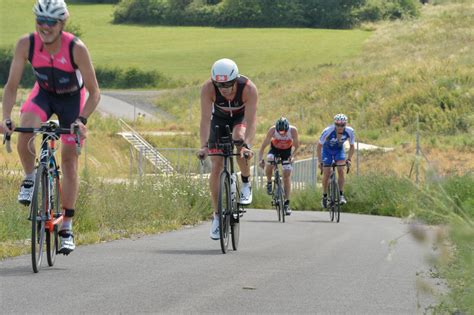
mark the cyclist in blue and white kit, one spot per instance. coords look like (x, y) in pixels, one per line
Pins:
(331, 148)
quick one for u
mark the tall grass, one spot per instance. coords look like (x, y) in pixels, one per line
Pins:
(107, 210)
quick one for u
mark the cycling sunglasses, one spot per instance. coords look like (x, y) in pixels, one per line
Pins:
(225, 85)
(41, 20)
(340, 125)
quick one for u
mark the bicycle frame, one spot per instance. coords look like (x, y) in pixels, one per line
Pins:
(47, 158)
(278, 189)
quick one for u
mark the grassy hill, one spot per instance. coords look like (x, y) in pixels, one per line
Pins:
(186, 53)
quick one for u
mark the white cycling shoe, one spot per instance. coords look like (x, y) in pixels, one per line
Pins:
(246, 194)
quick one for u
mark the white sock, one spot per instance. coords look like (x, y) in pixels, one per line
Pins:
(66, 225)
(30, 176)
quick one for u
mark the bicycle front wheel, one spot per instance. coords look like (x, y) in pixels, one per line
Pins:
(281, 200)
(39, 204)
(224, 208)
(276, 199)
(332, 198)
(337, 204)
(52, 238)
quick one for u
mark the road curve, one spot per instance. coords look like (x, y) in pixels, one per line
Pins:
(307, 265)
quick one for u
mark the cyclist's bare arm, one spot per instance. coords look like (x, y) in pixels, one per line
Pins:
(296, 141)
(250, 99)
(351, 151)
(319, 148)
(84, 63)
(266, 142)
(16, 72)
(207, 92)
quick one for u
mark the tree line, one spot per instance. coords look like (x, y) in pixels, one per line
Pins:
(262, 13)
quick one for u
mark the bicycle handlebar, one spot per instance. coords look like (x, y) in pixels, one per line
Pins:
(334, 165)
(45, 128)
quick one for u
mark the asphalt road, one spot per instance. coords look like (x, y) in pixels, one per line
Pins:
(306, 265)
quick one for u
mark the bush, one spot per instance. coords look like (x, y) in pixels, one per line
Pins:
(261, 13)
(6, 56)
(375, 10)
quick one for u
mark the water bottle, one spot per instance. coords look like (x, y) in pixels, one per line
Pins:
(233, 186)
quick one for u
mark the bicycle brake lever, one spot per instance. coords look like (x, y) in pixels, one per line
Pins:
(78, 138)
(7, 137)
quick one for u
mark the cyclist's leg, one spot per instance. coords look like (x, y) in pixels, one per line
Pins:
(340, 159)
(68, 109)
(287, 168)
(34, 111)
(327, 157)
(238, 133)
(269, 166)
(217, 166)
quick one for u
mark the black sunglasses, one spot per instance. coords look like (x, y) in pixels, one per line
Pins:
(340, 125)
(225, 85)
(41, 20)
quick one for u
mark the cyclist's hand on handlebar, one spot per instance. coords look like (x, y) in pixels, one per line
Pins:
(82, 129)
(246, 153)
(348, 163)
(7, 126)
(202, 153)
(262, 163)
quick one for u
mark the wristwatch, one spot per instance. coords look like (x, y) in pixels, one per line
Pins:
(82, 119)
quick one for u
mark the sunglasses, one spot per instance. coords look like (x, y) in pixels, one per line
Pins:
(224, 85)
(42, 20)
(340, 125)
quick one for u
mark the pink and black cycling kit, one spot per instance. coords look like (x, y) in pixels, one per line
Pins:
(59, 88)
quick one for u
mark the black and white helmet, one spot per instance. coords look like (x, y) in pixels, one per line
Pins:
(282, 124)
(340, 119)
(55, 9)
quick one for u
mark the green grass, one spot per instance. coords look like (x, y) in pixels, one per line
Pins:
(187, 53)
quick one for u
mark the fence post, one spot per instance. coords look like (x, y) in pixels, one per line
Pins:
(417, 157)
(357, 159)
(313, 167)
(131, 162)
(140, 163)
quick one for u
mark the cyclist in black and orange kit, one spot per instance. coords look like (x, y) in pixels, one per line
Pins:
(283, 140)
(228, 98)
(62, 67)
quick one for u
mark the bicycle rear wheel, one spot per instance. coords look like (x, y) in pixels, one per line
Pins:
(38, 208)
(281, 197)
(224, 208)
(332, 198)
(52, 238)
(337, 205)
(276, 199)
(235, 226)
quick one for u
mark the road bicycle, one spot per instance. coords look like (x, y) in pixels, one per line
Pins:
(278, 191)
(334, 202)
(45, 213)
(228, 206)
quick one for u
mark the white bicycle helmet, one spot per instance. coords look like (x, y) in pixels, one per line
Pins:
(55, 9)
(340, 119)
(224, 70)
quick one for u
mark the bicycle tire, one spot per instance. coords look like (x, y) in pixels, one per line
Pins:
(235, 227)
(332, 198)
(281, 196)
(37, 216)
(224, 210)
(337, 205)
(52, 241)
(276, 189)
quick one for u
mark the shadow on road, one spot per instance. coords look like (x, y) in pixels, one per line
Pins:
(25, 270)
(198, 252)
(262, 221)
